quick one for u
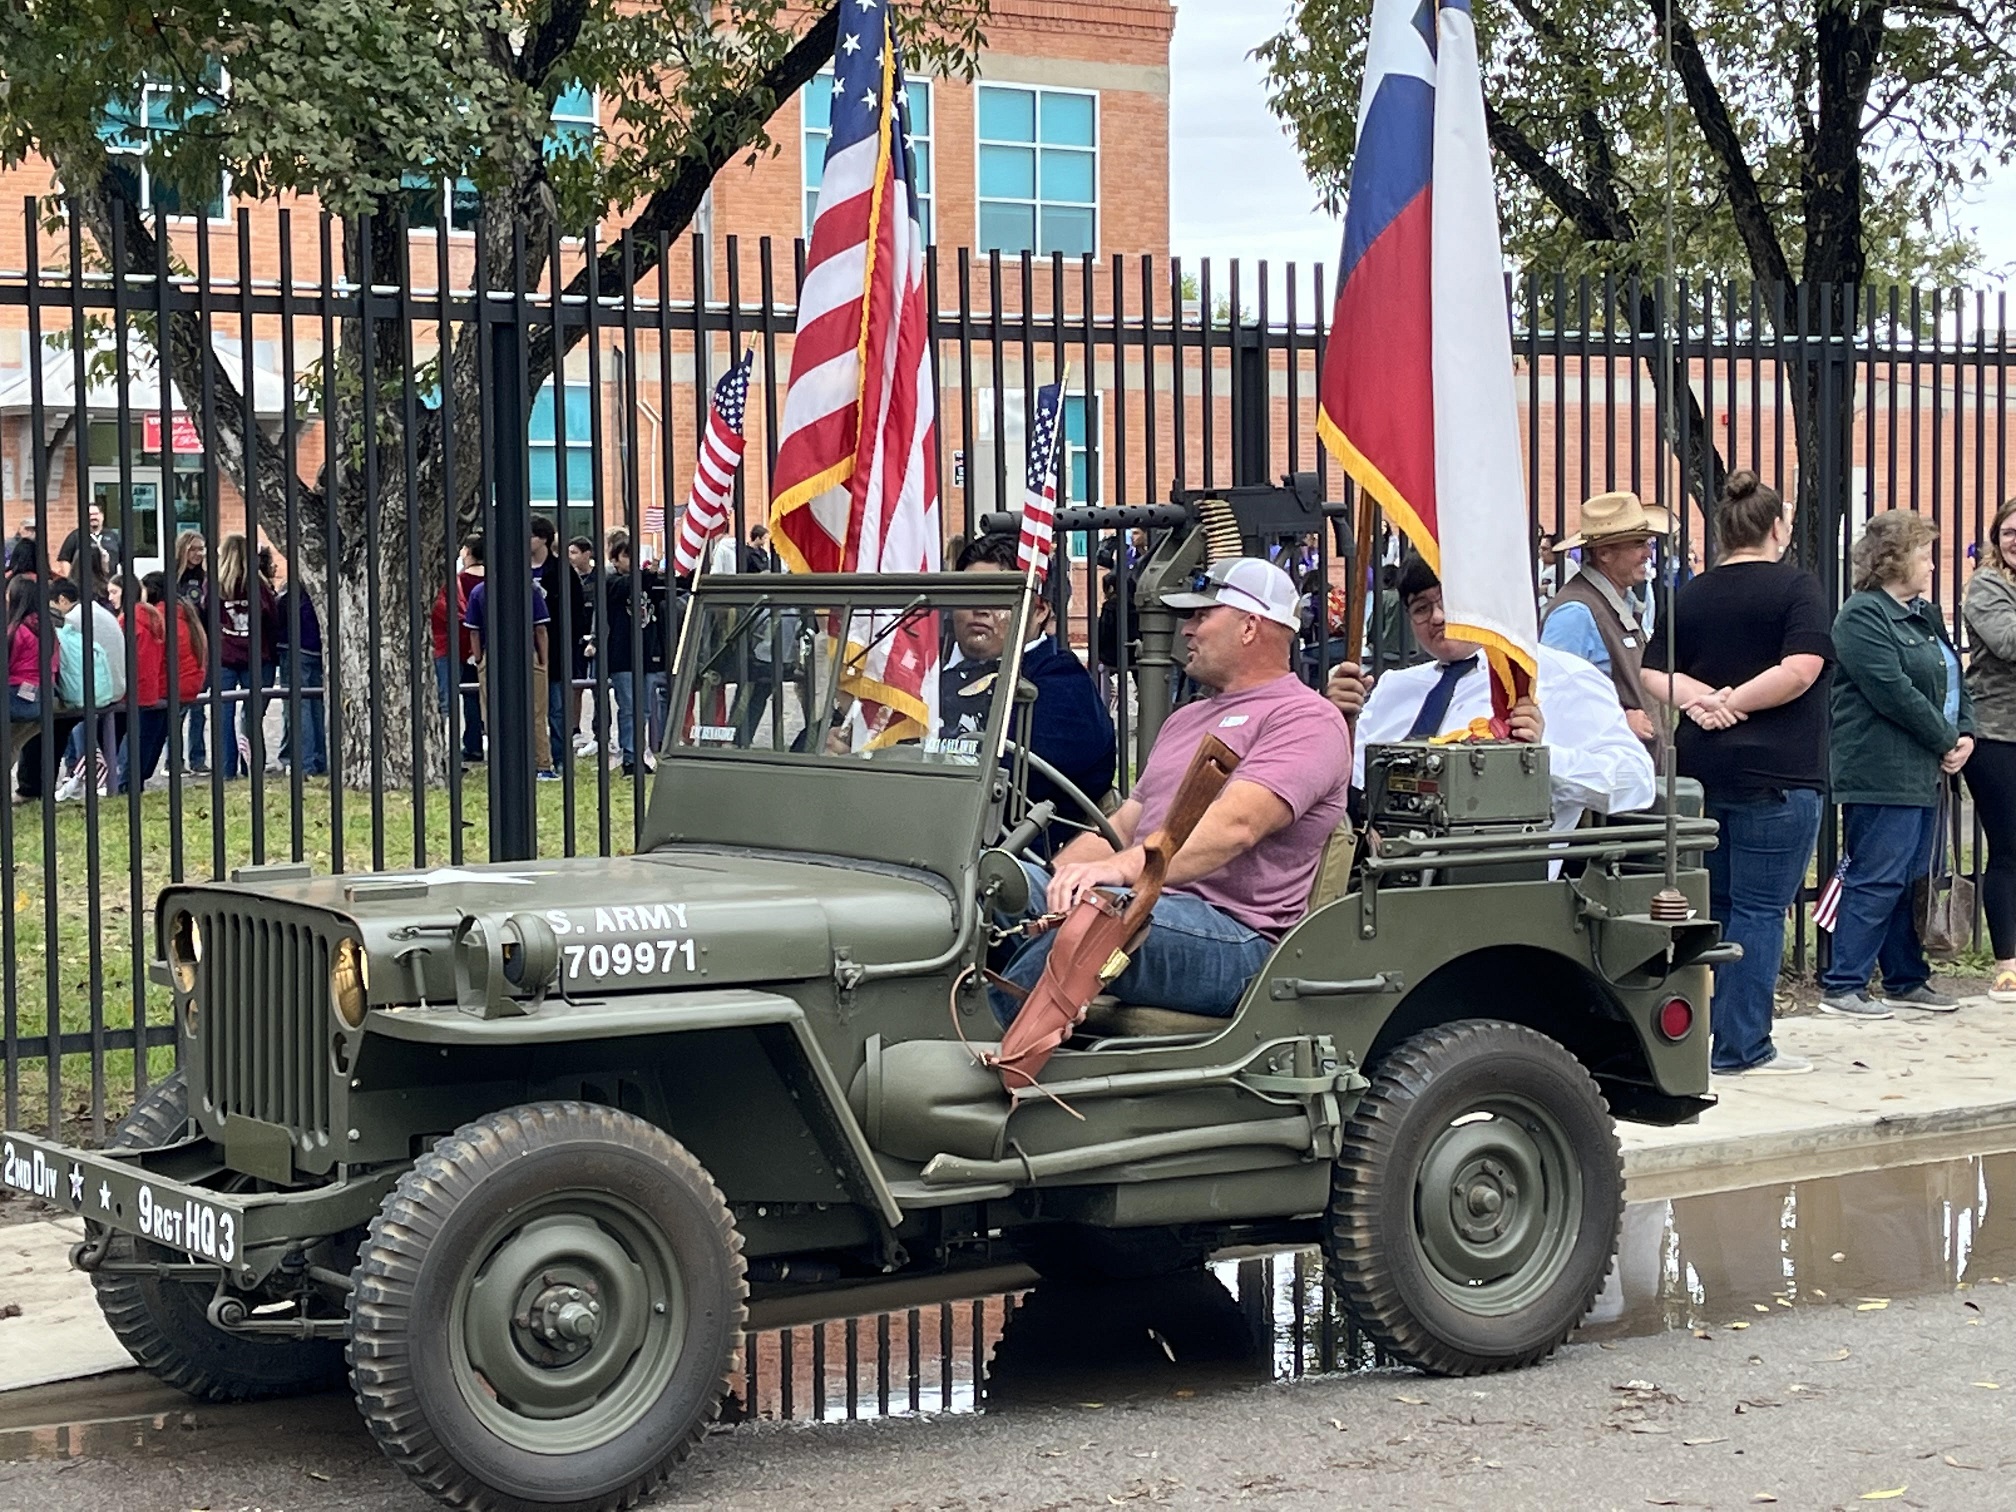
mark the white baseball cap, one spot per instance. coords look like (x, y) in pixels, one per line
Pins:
(1244, 583)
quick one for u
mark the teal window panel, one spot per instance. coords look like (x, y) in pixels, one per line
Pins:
(1007, 227)
(1007, 115)
(1007, 172)
(1070, 176)
(1069, 120)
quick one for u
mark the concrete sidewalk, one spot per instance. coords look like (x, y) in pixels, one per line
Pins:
(1919, 1087)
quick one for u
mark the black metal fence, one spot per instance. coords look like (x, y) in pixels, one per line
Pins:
(359, 399)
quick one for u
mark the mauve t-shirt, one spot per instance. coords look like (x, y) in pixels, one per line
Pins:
(1290, 740)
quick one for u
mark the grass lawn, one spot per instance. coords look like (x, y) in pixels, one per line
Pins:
(100, 880)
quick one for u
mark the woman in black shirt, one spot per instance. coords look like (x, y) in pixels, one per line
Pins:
(1751, 650)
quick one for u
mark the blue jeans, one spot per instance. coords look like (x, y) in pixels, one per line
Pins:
(308, 737)
(556, 721)
(252, 709)
(149, 731)
(1195, 959)
(1890, 848)
(1753, 877)
(198, 720)
(624, 686)
(447, 677)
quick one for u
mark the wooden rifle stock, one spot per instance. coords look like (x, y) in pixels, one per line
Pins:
(1098, 937)
(1208, 773)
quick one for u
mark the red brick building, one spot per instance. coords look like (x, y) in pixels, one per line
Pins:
(1061, 144)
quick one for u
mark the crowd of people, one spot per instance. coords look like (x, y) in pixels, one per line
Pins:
(1775, 704)
(98, 669)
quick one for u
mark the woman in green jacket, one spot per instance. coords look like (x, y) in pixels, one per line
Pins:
(1902, 724)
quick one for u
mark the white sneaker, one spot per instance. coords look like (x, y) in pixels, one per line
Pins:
(70, 787)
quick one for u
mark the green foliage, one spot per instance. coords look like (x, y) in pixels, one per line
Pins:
(1579, 82)
(342, 98)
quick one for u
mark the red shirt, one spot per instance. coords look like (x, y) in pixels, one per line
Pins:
(464, 581)
(150, 655)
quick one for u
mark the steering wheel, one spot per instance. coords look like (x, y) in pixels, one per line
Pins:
(1094, 816)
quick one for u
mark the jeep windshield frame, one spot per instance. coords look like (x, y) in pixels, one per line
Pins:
(775, 741)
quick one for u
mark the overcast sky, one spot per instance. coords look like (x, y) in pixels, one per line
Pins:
(1239, 190)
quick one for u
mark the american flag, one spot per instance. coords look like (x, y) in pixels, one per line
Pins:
(1039, 497)
(707, 507)
(855, 486)
(1828, 907)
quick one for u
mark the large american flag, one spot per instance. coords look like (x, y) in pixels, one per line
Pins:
(708, 505)
(855, 486)
(1039, 494)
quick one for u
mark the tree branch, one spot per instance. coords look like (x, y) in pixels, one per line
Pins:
(1754, 224)
(672, 207)
(1591, 216)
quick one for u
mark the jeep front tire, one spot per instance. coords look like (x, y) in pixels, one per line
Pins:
(548, 1311)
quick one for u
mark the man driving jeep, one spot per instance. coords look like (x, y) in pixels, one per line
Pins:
(1243, 878)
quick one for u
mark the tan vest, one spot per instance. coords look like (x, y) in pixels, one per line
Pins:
(1626, 647)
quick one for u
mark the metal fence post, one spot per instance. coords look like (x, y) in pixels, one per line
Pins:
(507, 633)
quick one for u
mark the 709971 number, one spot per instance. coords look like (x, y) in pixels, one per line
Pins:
(627, 958)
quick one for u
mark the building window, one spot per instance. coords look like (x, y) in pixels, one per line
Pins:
(1081, 435)
(574, 127)
(545, 457)
(131, 129)
(818, 116)
(1039, 170)
(426, 195)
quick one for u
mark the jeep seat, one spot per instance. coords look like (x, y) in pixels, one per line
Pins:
(1109, 1018)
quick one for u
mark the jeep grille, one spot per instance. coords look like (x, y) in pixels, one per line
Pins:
(263, 1009)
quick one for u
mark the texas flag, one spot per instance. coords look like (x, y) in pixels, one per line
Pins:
(1418, 397)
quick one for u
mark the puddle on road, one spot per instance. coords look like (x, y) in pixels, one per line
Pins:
(1686, 1263)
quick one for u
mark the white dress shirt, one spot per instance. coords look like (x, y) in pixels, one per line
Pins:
(1595, 761)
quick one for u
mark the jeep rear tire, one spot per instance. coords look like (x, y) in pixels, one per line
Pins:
(1476, 1199)
(548, 1311)
(164, 1321)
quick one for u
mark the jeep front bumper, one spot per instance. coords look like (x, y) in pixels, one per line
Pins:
(243, 1233)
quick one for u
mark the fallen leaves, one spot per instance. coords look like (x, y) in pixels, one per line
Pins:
(1989, 1385)
(1412, 1401)
(1872, 1305)
(1891, 1495)
(1698, 1443)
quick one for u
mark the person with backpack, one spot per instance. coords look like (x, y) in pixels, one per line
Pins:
(91, 632)
(147, 723)
(243, 599)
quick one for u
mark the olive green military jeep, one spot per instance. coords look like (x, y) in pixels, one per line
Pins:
(512, 1144)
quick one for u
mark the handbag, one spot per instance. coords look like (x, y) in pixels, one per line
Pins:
(1942, 901)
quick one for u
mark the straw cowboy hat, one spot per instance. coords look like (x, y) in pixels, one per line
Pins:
(1618, 516)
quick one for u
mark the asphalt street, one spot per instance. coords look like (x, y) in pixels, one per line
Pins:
(1842, 1404)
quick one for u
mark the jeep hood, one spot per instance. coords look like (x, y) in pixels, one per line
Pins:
(679, 920)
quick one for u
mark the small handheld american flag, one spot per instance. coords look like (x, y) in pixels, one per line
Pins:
(714, 469)
(1828, 906)
(1039, 495)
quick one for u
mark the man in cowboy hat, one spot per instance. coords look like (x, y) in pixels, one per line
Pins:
(1594, 615)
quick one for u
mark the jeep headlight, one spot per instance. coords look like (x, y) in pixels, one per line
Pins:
(185, 949)
(349, 983)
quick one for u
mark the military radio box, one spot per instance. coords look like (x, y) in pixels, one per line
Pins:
(1475, 788)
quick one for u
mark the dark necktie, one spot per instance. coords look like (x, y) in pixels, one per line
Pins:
(1435, 707)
